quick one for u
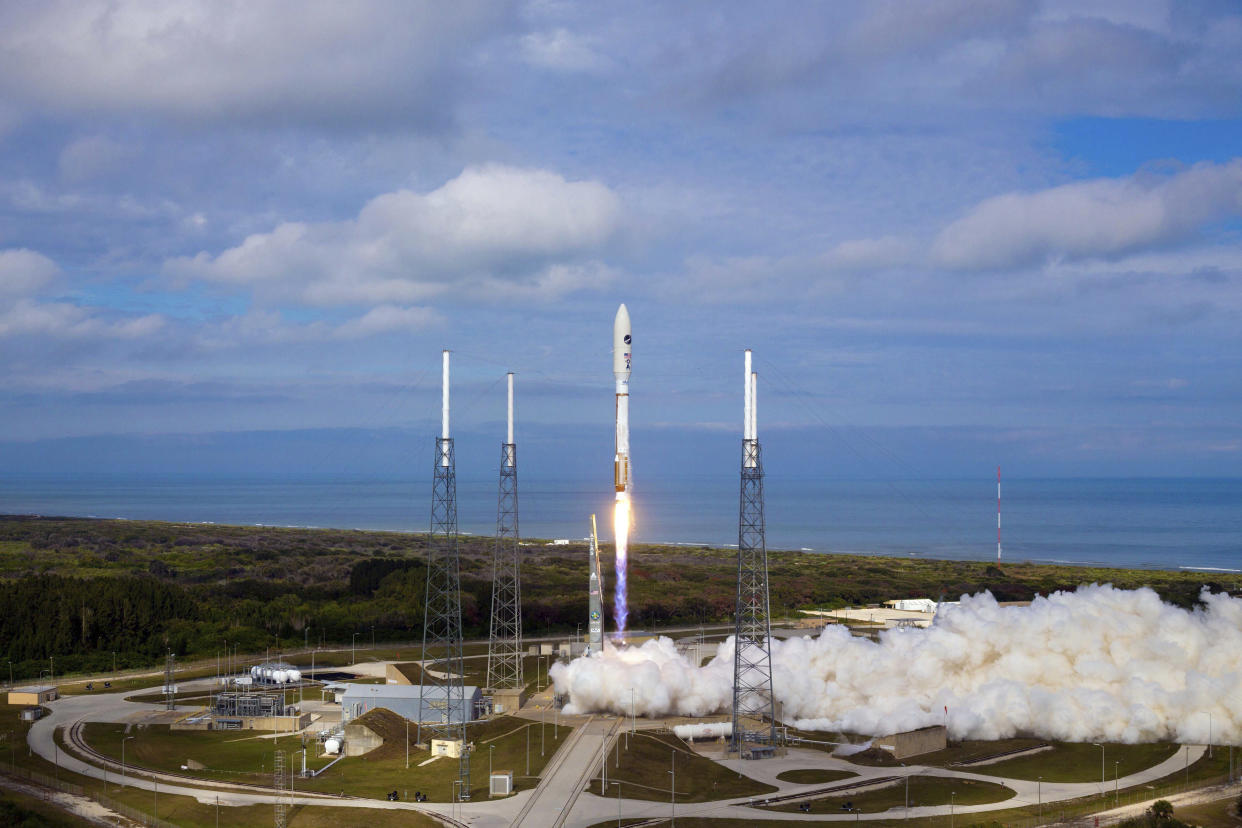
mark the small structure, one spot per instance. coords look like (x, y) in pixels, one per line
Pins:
(34, 695)
(446, 747)
(914, 742)
(912, 604)
(508, 701)
(501, 783)
(246, 711)
(404, 700)
(31, 714)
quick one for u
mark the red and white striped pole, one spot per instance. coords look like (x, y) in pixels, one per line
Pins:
(998, 522)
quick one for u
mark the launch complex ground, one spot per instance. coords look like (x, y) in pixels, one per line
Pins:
(1030, 783)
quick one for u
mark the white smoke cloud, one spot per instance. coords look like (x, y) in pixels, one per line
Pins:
(1097, 663)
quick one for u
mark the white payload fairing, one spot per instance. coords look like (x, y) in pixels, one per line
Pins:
(621, 373)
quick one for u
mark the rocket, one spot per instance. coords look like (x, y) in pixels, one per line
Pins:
(621, 372)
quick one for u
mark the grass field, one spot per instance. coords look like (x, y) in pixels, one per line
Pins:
(232, 756)
(924, 790)
(240, 757)
(25, 811)
(642, 769)
(1080, 762)
(813, 776)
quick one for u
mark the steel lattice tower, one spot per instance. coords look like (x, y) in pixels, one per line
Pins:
(752, 655)
(504, 650)
(278, 782)
(442, 634)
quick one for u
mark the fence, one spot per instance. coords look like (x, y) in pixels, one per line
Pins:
(1083, 812)
(108, 802)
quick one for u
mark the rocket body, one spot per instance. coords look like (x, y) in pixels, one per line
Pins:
(621, 336)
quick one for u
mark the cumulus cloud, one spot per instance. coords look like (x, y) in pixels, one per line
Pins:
(490, 226)
(62, 320)
(562, 50)
(1098, 218)
(387, 318)
(1097, 663)
(22, 272)
(274, 61)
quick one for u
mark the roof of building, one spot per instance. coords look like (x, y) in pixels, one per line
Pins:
(403, 691)
(43, 688)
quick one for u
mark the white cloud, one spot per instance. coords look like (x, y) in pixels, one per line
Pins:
(389, 59)
(1089, 219)
(490, 229)
(62, 320)
(387, 318)
(22, 271)
(91, 156)
(563, 50)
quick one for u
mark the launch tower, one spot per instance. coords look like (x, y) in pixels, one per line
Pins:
(752, 655)
(504, 646)
(442, 636)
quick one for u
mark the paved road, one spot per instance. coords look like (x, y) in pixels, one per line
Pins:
(560, 798)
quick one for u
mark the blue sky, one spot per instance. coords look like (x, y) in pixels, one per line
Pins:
(956, 234)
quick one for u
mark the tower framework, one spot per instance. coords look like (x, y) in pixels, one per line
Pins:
(442, 632)
(753, 703)
(504, 650)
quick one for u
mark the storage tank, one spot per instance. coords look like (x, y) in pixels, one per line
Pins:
(703, 730)
(332, 746)
(295, 675)
(244, 681)
(280, 676)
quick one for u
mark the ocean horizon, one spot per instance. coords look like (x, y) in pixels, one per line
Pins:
(1151, 523)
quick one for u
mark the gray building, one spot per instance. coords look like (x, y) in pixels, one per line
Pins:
(403, 699)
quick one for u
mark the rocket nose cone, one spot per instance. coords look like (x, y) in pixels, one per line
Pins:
(623, 318)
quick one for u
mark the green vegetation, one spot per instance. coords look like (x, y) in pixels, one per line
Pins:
(232, 756)
(247, 756)
(80, 589)
(19, 810)
(642, 768)
(924, 790)
(813, 776)
(957, 752)
(1080, 762)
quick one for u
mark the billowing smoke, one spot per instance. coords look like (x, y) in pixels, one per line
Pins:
(1095, 664)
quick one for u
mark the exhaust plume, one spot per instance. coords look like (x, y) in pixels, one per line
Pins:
(1098, 663)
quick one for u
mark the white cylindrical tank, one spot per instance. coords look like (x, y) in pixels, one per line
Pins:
(332, 746)
(295, 675)
(254, 672)
(704, 730)
(244, 681)
(280, 676)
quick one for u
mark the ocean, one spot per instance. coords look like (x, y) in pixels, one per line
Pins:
(1166, 523)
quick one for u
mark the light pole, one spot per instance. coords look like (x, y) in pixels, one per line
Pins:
(1039, 797)
(907, 790)
(543, 739)
(1101, 747)
(952, 796)
(627, 737)
(372, 636)
(1116, 789)
(618, 804)
(490, 750)
(528, 750)
(353, 649)
(407, 748)
(123, 775)
(672, 792)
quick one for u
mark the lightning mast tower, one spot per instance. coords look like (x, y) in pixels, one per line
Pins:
(752, 654)
(170, 686)
(442, 617)
(595, 621)
(504, 646)
(998, 545)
